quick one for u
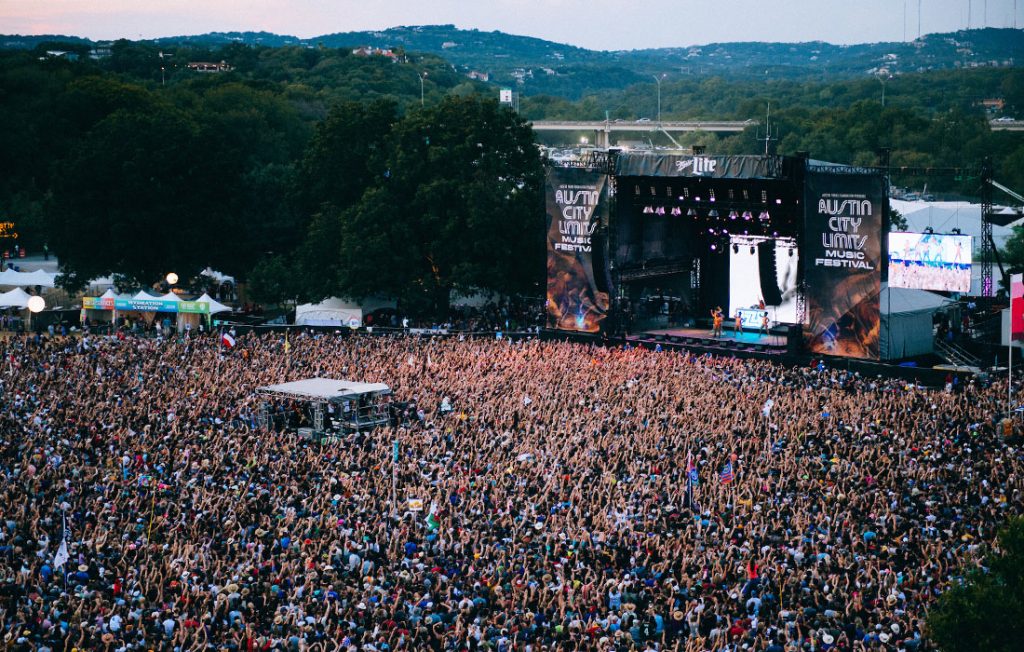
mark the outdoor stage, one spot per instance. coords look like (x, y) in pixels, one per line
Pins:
(702, 337)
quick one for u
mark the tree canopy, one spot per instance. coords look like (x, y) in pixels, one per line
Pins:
(985, 613)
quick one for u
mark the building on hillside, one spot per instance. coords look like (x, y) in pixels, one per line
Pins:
(210, 67)
(375, 52)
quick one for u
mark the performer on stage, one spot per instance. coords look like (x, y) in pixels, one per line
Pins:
(717, 319)
(764, 323)
(739, 324)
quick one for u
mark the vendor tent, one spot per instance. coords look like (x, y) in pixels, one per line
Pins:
(16, 298)
(25, 279)
(215, 306)
(338, 312)
(907, 329)
(170, 296)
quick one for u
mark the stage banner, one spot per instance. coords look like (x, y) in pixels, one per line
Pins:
(843, 254)
(577, 205)
(1017, 307)
(718, 167)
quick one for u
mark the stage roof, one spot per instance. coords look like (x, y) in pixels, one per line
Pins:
(324, 389)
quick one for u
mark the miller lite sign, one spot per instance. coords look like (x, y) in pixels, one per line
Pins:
(698, 165)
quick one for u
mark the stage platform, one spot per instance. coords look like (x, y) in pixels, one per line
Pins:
(702, 337)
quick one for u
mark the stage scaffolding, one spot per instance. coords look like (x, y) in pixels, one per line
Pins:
(359, 405)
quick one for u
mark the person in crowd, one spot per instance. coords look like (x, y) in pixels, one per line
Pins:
(567, 497)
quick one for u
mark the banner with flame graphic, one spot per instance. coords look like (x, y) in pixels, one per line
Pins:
(577, 207)
(843, 258)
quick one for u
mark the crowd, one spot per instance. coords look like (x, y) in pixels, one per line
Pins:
(145, 508)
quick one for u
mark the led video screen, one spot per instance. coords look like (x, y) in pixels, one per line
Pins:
(930, 261)
(747, 286)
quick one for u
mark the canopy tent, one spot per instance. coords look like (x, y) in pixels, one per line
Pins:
(170, 296)
(907, 328)
(23, 279)
(144, 296)
(360, 402)
(215, 306)
(323, 389)
(338, 312)
(16, 298)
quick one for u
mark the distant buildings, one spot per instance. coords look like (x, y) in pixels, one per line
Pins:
(210, 67)
(375, 52)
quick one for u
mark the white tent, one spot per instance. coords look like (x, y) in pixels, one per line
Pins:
(23, 279)
(215, 306)
(170, 296)
(109, 294)
(16, 298)
(907, 329)
(143, 295)
(338, 312)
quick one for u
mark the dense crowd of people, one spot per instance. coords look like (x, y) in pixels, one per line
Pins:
(145, 507)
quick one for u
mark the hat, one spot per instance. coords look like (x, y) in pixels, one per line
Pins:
(677, 615)
(827, 639)
(884, 637)
(83, 568)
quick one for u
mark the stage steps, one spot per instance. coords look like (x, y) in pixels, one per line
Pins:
(955, 354)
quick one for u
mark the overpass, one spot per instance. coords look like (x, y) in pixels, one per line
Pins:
(604, 128)
(1006, 125)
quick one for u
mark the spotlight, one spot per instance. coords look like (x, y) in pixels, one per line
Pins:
(764, 216)
(775, 234)
(714, 247)
(677, 211)
(747, 215)
(725, 231)
(735, 248)
(711, 195)
(691, 213)
(696, 199)
(648, 210)
(733, 215)
(660, 210)
(711, 231)
(778, 202)
(713, 213)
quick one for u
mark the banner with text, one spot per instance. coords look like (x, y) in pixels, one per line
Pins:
(843, 258)
(577, 205)
(1017, 307)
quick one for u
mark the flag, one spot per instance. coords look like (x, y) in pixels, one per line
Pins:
(432, 522)
(767, 409)
(287, 344)
(411, 361)
(62, 555)
(691, 471)
(726, 476)
(227, 340)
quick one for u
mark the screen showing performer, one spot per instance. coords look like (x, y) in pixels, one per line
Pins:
(930, 261)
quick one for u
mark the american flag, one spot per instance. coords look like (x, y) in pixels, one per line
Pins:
(726, 475)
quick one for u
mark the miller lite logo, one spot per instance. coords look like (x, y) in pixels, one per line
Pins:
(699, 164)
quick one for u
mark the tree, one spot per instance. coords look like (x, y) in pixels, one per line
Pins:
(138, 196)
(459, 208)
(986, 611)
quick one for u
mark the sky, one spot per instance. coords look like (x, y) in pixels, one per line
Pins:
(593, 24)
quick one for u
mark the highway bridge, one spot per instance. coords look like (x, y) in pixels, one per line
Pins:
(604, 128)
(1006, 125)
